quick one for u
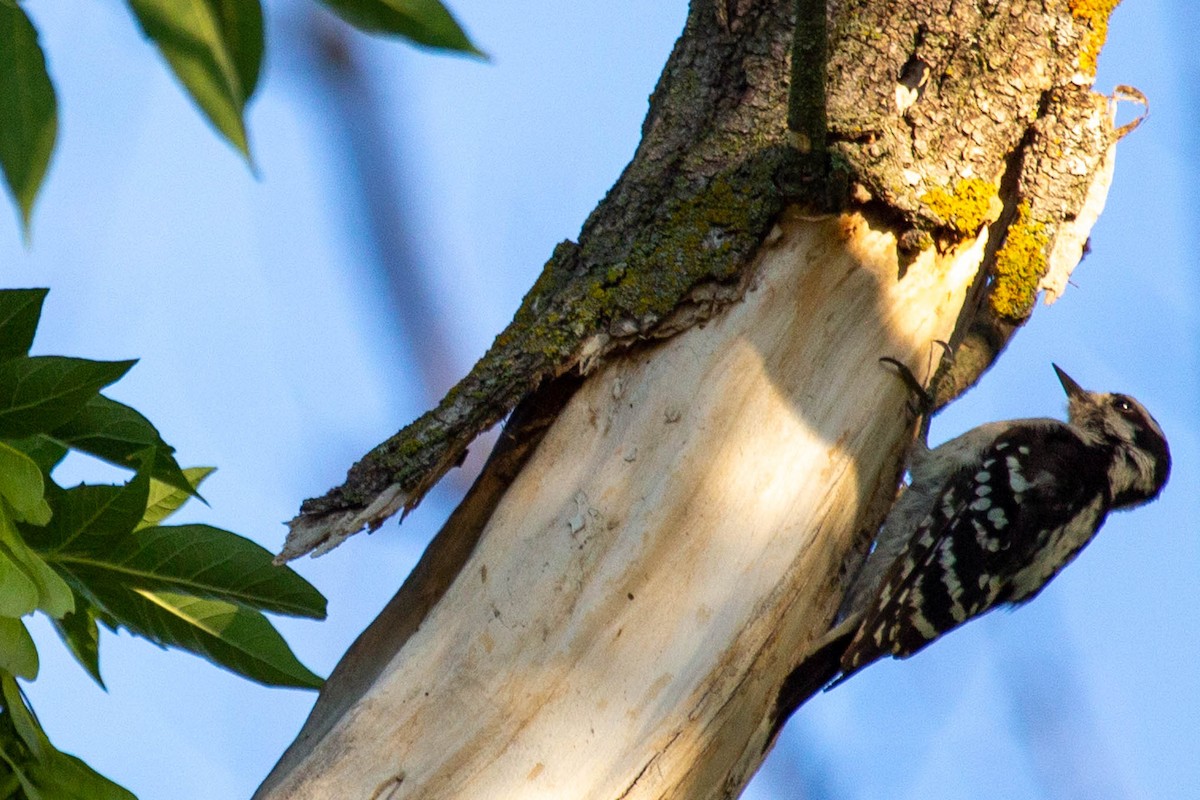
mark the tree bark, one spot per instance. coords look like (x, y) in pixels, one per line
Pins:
(704, 442)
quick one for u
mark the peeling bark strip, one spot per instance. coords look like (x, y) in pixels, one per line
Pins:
(614, 608)
(666, 249)
(669, 247)
(654, 557)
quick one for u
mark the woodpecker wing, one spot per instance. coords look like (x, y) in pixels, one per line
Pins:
(1001, 528)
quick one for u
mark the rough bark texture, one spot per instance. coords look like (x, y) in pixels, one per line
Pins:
(666, 249)
(623, 623)
(669, 246)
(614, 608)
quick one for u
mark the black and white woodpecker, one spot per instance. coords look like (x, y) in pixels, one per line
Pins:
(991, 516)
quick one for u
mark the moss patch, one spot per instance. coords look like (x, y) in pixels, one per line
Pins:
(706, 236)
(966, 208)
(1094, 14)
(1020, 265)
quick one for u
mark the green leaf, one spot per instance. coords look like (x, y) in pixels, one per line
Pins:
(81, 635)
(45, 772)
(21, 486)
(18, 765)
(20, 310)
(53, 595)
(241, 23)
(14, 780)
(189, 35)
(28, 108)
(44, 451)
(18, 592)
(120, 435)
(18, 654)
(425, 22)
(165, 499)
(62, 776)
(198, 560)
(230, 635)
(89, 519)
(24, 722)
(41, 393)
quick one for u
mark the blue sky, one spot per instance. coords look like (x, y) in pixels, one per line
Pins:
(268, 348)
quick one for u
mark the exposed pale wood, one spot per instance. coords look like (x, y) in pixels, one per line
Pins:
(616, 615)
(674, 542)
(1006, 111)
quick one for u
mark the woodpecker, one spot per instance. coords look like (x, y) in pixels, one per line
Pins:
(991, 516)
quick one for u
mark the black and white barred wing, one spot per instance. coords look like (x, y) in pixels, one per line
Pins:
(998, 532)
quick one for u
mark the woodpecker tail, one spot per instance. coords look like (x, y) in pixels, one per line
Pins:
(815, 671)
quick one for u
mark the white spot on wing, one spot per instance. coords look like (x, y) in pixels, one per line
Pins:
(948, 504)
(1016, 480)
(922, 625)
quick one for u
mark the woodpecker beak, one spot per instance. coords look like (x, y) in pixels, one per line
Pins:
(1072, 388)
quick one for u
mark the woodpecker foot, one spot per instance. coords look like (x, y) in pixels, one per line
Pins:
(924, 402)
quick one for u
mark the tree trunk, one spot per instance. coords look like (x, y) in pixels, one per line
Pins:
(705, 441)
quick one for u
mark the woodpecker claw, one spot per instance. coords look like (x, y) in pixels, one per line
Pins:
(924, 401)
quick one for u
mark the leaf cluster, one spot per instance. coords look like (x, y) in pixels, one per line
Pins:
(100, 555)
(214, 48)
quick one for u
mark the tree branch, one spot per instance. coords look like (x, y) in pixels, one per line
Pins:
(616, 606)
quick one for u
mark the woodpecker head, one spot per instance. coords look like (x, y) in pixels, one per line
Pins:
(1141, 459)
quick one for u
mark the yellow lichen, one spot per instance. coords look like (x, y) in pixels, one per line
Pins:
(1020, 265)
(1094, 14)
(967, 208)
